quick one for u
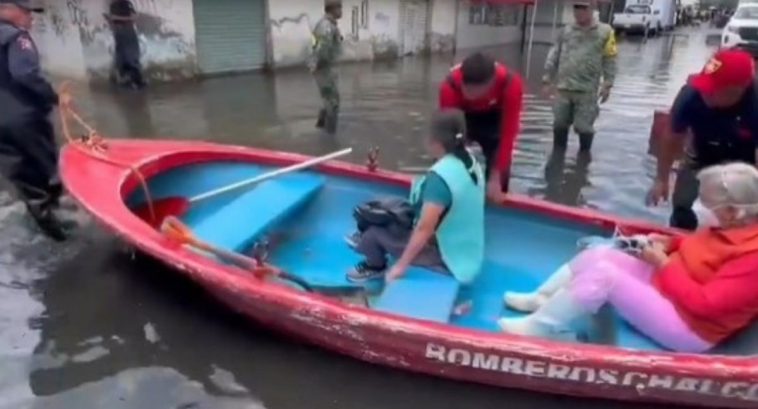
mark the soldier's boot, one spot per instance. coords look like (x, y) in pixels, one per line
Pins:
(321, 119)
(560, 138)
(585, 142)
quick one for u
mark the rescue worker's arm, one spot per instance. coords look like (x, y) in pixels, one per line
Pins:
(551, 63)
(24, 68)
(610, 51)
(671, 143)
(449, 97)
(509, 129)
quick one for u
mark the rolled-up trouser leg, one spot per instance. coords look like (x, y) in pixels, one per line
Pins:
(686, 190)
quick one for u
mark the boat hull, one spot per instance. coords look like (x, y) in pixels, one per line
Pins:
(419, 346)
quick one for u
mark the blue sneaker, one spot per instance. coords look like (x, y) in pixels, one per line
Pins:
(363, 273)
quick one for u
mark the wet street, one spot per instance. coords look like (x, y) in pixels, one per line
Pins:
(88, 325)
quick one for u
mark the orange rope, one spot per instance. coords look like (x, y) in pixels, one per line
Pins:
(93, 144)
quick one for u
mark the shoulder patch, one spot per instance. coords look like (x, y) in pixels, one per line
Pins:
(25, 43)
(610, 49)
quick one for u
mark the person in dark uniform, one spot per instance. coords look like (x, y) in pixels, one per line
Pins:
(28, 152)
(714, 119)
(122, 16)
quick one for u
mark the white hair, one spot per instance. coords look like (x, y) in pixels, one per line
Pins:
(733, 184)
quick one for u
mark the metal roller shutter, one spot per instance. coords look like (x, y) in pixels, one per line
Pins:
(413, 20)
(230, 35)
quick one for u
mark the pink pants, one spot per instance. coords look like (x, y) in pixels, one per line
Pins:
(606, 275)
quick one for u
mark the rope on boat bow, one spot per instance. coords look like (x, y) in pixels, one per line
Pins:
(93, 143)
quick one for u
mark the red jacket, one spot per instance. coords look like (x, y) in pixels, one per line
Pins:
(712, 280)
(507, 94)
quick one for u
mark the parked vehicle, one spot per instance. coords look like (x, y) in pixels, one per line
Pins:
(646, 16)
(742, 29)
(639, 19)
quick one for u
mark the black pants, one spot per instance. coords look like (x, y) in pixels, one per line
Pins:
(127, 57)
(686, 190)
(490, 142)
(29, 159)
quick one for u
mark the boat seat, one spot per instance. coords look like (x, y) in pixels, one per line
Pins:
(235, 225)
(421, 294)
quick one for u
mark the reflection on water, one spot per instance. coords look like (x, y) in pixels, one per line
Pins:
(87, 325)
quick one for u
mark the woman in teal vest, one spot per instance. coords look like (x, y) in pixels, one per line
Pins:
(448, 232)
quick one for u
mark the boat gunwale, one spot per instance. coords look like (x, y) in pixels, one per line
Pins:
(161, 156)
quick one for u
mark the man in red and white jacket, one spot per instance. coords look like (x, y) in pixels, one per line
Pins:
(491, 96)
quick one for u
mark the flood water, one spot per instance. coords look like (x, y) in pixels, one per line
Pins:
(87, 325)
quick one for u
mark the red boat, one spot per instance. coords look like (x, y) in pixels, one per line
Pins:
(450, 332)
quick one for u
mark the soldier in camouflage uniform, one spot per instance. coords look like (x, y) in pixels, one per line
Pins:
(583, 54)
(327, 46)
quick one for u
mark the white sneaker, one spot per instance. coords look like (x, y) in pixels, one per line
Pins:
(524, 302)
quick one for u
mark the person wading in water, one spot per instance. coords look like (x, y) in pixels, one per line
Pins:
(28, 152)
(122, 17)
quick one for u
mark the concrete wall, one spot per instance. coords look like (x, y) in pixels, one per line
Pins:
(481, 25)
(370, 29)
(442, 26)
(545, 30)
(75, 39)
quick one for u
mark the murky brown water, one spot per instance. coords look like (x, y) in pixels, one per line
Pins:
(85, 325)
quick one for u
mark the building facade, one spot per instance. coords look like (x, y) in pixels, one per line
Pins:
(187, 38)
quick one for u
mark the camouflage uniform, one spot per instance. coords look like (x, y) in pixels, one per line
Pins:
(327, 47)
(575, 65)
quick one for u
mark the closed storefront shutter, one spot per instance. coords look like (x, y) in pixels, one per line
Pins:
(230, 35)
(413, 20)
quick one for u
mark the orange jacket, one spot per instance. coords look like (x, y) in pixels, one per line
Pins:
(712, 279)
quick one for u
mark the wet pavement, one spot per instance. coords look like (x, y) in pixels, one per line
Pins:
(89, 325)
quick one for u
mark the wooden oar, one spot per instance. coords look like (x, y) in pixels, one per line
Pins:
(177, 206)
(174, 229)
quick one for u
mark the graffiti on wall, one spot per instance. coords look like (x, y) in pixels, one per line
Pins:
(166, 53)
(77, 13)
(495, 15)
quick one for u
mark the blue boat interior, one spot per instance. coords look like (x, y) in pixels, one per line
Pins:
(304, 217)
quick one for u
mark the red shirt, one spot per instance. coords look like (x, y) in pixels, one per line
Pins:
(507, 95)
(712, 280)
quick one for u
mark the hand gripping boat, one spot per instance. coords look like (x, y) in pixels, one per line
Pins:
(424, 322)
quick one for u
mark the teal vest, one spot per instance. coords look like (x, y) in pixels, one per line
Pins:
(460, 235)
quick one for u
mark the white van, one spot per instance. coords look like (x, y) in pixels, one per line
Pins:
(651, 16)
(742, 29)
(638, 18)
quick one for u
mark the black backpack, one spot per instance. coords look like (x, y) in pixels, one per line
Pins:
(383, 213)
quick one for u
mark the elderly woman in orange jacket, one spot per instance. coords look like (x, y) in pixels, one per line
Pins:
(686, 293)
